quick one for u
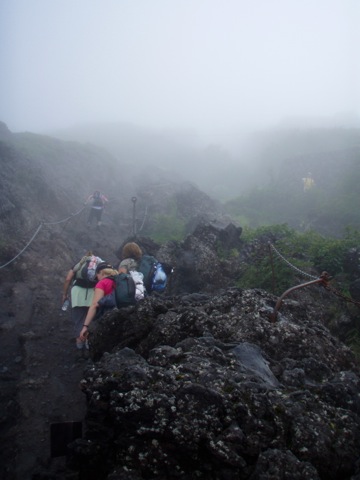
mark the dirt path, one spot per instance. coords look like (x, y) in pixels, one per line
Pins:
(40, 370)
(47, 393)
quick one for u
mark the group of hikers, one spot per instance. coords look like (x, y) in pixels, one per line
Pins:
(94, 286)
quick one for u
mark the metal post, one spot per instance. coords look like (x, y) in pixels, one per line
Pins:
(133, 199)
(272, 268)
(323, 279)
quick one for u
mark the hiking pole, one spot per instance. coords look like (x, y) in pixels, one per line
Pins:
(133, 199)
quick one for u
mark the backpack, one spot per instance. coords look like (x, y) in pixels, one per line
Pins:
(97, 201)
(129, 289)
(138, 278)
(155, 273)
(85, 275)
(124, 290)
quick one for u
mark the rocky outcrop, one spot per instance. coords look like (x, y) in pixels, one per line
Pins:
(352, 267)
(205, 386)
(199, 261)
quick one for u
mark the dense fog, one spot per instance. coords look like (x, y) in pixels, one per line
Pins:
(181, 82)
(215, 67)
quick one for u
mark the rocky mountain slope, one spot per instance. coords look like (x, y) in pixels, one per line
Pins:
(43, 185)
(197, 383)
(205, 386)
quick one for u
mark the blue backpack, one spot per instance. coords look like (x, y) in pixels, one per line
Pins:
(155, 274)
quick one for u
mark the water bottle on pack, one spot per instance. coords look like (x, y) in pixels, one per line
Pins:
(159, 280)
(65, 305)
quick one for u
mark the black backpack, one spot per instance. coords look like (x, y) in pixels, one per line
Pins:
(124, 290)
(97, 200)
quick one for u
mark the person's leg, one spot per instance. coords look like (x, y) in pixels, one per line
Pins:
(98, 216)
(92, 214)
(78, 315)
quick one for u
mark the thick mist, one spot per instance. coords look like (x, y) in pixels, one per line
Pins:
(217, 68)
(207, 90)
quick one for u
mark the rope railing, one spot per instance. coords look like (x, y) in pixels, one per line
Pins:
(65, 219)
(42, 224)
(36, 233)
(290, 264)
(145, 216)
(322, 280)
(26, 246)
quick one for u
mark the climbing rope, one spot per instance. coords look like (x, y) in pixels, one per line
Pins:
(65, 219)
(145, 216)
(341, 295)
(26, 246)
(324, 284)
(290, 264)
(36, 233)
(42, 224)
(133, 229)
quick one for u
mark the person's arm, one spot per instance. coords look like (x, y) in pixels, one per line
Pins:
(67, 282)
(104, 201)
(98, 294)
(88, 199)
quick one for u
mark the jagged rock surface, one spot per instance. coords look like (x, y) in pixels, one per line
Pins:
(205, 386)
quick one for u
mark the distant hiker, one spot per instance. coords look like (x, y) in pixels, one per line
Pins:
(81, 279)
(308, 182)
(105, 285)
(97, 201)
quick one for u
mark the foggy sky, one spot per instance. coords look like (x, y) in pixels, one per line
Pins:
(210, 65)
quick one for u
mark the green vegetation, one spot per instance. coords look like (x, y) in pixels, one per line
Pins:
(296, 252)
(309, 252)
(318, 210)
(328, 207)
(168, 225)
(166, 228)
(353, 340)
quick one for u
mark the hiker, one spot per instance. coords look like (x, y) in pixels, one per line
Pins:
(103, 287)
(82, 292)
(131, 255)
(308, 182)
(154, 274)
(97, 201)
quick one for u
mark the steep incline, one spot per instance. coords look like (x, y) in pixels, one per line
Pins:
(45, 181)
